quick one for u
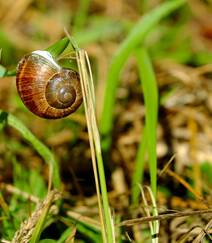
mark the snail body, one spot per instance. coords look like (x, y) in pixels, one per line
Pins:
(47, 89)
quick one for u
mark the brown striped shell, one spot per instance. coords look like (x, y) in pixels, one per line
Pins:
(46, 89)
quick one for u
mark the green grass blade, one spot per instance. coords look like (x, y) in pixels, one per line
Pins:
(39, 216)
(150, 91)
(135, 37)
(31, 228)
(57, 48)
(41, 149)
(137, 177)
(93, 237)
(66, 234)
(91, 231)
(39, 226)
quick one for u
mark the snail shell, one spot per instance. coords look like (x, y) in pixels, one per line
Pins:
(46, 89)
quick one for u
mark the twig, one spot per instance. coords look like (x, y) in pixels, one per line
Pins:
(131, 222)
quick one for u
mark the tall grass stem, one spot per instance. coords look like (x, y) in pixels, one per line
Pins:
(94, 138)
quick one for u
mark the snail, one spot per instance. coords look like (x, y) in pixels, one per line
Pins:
(47, 89)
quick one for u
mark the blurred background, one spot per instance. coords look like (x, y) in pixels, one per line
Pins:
(181, 51)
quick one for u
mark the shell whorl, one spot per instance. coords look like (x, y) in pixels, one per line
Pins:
(45, 88)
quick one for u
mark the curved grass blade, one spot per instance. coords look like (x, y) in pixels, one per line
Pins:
(136, 37)
(68, 234)
(149, 85)
(82, 224)
(41, 149)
